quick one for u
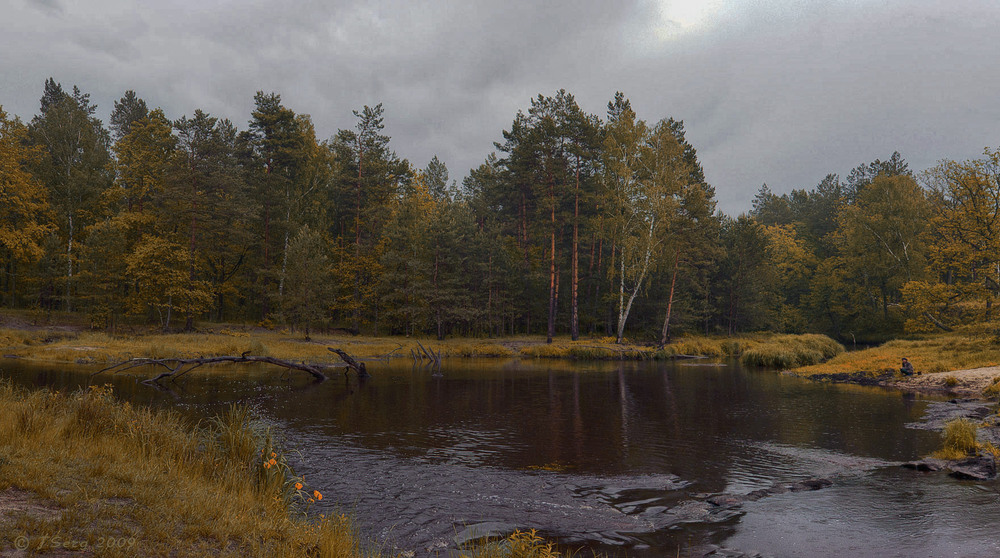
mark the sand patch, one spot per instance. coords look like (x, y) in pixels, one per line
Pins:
(973, 380)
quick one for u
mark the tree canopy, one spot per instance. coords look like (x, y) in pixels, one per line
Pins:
(577, 224)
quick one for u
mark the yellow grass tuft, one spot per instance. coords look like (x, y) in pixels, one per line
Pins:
(959, 440)
(790, 351)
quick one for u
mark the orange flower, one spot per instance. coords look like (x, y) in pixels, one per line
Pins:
(311, 500)
(267, 465)
(298, 486)
(273, 462)
(317, 495)
(274, 454)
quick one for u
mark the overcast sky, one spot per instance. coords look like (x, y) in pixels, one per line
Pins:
(775, 91)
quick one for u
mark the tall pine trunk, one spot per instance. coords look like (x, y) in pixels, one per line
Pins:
(574, 320)
(284, 256)
(552, 270)
(189, 321)
(265, 305)
(69, 264)
(356, 318)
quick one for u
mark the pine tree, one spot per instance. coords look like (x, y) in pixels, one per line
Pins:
(309, 279)
(371, 176)
(74, 166)
(129, 109)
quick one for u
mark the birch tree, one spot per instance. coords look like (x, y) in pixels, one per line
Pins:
(643, 171)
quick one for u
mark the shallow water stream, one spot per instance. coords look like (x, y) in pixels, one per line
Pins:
(625, 458)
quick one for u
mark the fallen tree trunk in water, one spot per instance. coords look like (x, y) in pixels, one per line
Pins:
(358, 367)
(177, 367)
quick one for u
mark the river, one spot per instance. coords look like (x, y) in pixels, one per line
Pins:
(622, 458)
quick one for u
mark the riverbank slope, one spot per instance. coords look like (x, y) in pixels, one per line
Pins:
(961, 363)
(84, 473)
(73, 344)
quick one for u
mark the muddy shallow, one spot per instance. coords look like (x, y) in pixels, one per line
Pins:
(637, 459)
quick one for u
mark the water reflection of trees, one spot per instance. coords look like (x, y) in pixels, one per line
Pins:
(618, 417)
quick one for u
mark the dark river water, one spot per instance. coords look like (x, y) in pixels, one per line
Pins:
(621, 458)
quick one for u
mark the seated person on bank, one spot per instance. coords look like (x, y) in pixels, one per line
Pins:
(907, 368)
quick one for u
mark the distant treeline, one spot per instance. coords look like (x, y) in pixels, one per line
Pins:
(577, 224)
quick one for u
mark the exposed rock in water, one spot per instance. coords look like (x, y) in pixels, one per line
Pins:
(982, 467)
(927, 465)
(939, 413)
(937, 416)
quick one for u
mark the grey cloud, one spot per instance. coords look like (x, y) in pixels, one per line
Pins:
(53, 7)
(780, 92)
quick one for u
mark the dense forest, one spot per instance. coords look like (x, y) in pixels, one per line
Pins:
(577, 224)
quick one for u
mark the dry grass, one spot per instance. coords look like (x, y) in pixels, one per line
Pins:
(101, 470)
(959, 440)
(937, 353)
(790, 351)
(587, 350)
(993, 390)
(776, 351)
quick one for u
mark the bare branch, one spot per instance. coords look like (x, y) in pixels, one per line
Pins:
(174, 366)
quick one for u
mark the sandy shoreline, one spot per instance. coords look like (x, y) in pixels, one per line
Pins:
(971, 381)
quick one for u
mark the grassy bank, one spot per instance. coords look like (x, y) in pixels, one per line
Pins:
(69, 346)
(83, 471)
(931, 354)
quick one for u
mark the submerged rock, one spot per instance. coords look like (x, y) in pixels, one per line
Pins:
(726, 500)
(860, 378)
(484, 530)
(722, 552)
(810, 484)
(693, 511)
